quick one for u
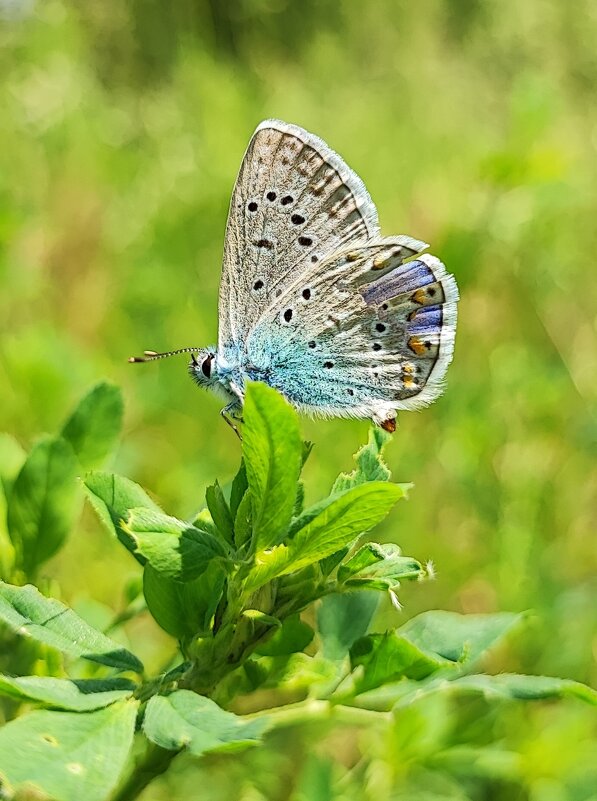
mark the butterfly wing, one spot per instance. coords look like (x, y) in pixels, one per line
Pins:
(362, 334)
(294, 201)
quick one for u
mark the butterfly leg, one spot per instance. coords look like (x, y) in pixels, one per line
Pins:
(230, 414)
(386, 420)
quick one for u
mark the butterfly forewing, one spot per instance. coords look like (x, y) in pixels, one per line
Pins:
(295, 201)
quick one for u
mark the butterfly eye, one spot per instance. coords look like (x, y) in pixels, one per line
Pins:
(206, 365)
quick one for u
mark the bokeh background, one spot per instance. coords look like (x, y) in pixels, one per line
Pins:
(474, 126)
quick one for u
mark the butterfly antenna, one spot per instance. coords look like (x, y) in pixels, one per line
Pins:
(151, 355)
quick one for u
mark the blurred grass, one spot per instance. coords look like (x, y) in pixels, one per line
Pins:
(474, 127)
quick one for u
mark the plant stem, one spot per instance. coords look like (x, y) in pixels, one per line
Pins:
(315, 709)
(153, 763)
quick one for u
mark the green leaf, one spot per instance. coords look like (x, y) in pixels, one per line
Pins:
(173, 547)
(261, 618)
(77, 695)
(185, 609)
(524, 688)
(370, 464)
(429, 642)
(243, 522)
(94, 426)
(272, 451)
(68, 755)
(112, 497)
(162, 596)
(337, 524)
(43, 502)
(220, 512)
(370, 467)
(504, 687)
(343, 619)
(370, 554)
(291, 673)
(346, 517)
(293, 636)
(238, 488)
(184, 719)
(307, 515)
(378, 567)
(330, 563)
(455, 637)
(295, 591)
(306, 452)
(299, 501)
(389, 657)
(27, 612)
(204, 521)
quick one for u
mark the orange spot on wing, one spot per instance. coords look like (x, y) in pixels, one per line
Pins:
(415, 344)
(379, 262)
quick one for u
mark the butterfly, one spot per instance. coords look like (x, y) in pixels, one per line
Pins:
(314, 301)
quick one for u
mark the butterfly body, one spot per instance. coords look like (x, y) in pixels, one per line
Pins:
(314, 301)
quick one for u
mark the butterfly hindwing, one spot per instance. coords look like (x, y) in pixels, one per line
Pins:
(363, 333)
(294, 202)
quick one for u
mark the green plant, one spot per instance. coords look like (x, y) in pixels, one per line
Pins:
(230, 586)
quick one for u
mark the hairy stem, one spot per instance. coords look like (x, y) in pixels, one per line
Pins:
(153, 763)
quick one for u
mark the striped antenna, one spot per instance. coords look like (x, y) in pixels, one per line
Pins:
(151, 355)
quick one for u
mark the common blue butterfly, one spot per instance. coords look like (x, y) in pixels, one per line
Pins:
(314, 301)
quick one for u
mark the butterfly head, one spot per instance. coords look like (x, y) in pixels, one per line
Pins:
(202, 367)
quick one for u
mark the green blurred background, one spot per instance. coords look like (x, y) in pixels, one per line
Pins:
(474, 126)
